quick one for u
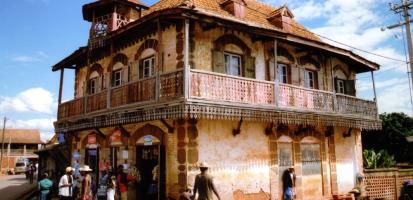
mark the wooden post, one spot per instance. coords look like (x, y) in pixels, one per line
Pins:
(333, 88)
(159, 61)
(186, 61)
(375, 94)
(62, 73)
(276, 81)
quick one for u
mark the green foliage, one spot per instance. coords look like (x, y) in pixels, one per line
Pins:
(392, 137)
(382, 159)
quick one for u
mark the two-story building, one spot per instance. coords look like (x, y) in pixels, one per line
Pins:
(236, 83)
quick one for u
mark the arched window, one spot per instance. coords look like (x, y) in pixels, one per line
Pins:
(232, 56)
(311, 70)
(119, 70)
(94, 79)
(284, 61)
(147, 59)
(342, 84)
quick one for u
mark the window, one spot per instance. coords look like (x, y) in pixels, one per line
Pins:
(148, 67)
(340, 86)
(233, 64)
(117, 78)
(309, 79)
(282, 73)
(93, 86)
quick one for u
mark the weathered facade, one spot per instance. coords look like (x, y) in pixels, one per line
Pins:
(236, 83)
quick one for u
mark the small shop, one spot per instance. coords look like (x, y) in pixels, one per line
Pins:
(142, 155)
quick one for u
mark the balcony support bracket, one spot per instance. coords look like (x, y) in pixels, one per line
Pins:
(170, 128)
(124, 131)
(100, 132)
(237, 130)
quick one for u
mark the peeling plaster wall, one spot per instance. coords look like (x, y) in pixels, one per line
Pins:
(236, 162)
(347, 160)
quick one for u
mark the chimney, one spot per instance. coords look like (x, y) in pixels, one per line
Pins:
(282, 18)
(235, 7)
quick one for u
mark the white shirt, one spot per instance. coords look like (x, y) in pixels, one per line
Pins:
(65, 191)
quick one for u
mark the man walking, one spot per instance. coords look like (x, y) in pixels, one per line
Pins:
(66, 184)
(288, 179)
(204, 184)
(44, 187)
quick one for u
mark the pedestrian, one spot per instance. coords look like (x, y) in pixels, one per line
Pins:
(204, 184)
(31, 173)
(86, 191)
(122, 181)
(66, 185)
(288, 179)
(111, 191)
(44, 187)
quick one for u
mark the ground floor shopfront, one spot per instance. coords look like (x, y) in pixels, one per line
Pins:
(244, 157)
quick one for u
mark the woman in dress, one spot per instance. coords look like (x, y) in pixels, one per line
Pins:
(86, 191)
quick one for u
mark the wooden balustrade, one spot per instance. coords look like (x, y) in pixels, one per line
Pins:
(171, 85)
(304, 98)
(220, 87)
(352, 105)
(96, 102)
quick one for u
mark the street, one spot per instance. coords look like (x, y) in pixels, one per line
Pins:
(15, 186)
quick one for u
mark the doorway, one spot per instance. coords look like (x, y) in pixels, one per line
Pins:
(150, 161)
(312, 179)
(92, 159)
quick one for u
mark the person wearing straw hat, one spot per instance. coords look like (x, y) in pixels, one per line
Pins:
(288, 179)
(66, 184)
(204, 184)
(86, 192)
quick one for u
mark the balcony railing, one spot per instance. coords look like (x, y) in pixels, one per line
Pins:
(220, 88)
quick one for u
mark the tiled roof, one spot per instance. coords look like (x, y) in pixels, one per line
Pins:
(256, 14)
(22, 136)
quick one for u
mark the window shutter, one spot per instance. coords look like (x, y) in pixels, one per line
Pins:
(320, 76)
(88, 86)
(271, 70)
(125, 74)
(140, 67)
(249, 69)
(112, 78)
(98, 84)
(316, 86)
(289, 81)
(350, 87)
(336, 84)
(218, 61)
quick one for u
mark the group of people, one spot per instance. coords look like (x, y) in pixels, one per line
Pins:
(117, 185)
(31, 170)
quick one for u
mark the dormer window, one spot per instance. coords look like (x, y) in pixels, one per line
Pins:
(235, 7)
(282, 18)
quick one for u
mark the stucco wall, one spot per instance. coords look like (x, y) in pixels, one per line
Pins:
(237, 162)
(347, 160)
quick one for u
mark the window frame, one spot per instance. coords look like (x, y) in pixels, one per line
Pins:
(309, 82)
(228, 66)
(341, 88)
(93, 85)
(114, 80)
(281, 76)
(151, 68)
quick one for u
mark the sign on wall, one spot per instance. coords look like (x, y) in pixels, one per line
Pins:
(116, 138)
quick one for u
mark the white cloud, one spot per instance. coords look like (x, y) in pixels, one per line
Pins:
(44, 125)
(38, 56)
(395, 98)
(36, 100)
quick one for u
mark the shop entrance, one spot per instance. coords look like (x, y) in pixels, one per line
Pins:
(150, 161)
(92, 159)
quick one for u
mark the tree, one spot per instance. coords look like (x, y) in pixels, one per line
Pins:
(392, 137)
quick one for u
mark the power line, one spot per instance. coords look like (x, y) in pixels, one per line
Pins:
(324, 37)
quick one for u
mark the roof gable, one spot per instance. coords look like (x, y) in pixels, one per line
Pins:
(22, 136)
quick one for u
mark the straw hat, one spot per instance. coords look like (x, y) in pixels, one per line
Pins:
(203, 165)
(85, 168)
(69, 169)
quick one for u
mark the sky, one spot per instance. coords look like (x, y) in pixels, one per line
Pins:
(36, 34)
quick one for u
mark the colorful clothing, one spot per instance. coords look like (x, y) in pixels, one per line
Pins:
(65, 186)
(44, 187)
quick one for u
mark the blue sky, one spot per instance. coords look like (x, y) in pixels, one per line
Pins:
(35, 34)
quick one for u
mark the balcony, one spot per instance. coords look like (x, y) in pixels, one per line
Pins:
(209, 87)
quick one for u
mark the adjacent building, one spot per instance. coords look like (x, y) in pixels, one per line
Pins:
(236, 83)
(19, 143)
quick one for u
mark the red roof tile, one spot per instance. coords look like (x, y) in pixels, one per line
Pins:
(22, 136)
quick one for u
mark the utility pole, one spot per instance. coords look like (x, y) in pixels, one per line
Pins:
(2, 145)
(404, 7)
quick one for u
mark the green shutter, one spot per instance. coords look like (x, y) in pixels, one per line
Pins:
(218, 61)
(249, 69)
